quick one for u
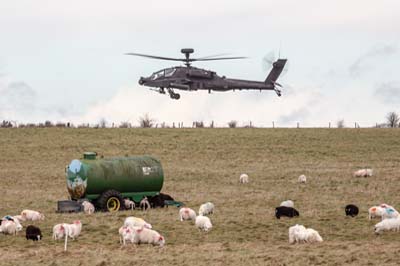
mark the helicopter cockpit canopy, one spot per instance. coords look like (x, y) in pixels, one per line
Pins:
(168, 72)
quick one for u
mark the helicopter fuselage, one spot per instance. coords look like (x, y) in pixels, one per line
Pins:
(192, 79)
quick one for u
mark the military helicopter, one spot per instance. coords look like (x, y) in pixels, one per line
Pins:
(191, 78)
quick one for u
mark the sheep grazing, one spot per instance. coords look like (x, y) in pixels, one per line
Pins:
(287, 203)
(351, 210)
(8, 227)
(244, 179)
(375, 211)
(88, 207)
(134, 221)
(206, 208)
(363, 173)
(129, 204)
(187, 214)
(148, 236)
(203, 223)
(29, 215)
(18, 225)
(302, 179)
(300, 234)
(387, 225)
(144, 204)
(32, 232)
(285, 211)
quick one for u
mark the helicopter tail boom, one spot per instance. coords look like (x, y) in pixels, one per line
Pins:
(276, 71)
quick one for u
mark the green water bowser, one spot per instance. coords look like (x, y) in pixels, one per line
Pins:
(107, 181)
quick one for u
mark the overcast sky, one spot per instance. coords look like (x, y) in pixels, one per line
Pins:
(64, 60)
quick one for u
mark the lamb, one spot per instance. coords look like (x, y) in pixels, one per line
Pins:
(129, 204)
(8, 227)
(127, 233)
(144, 204)
(187, 214)
(390, 212)
(88, 207)
(32, 232)
(295, 232)
(58, 231)
(287, 203)
(302, 179)
(206, 208)
(375, 211)
(285, 211)
(387, 225)
(71, 230)
(148, 236)
(351, 210)
(29, 215)
(244, 179)
(134, 221)
(18, 225)
(363, 173)
(300, 234)
(203, 223)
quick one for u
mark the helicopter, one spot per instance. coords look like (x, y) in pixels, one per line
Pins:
(189, 78)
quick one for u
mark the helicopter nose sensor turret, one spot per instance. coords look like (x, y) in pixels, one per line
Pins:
(141, 80)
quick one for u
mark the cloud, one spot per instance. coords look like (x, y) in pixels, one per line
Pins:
(388, 93)
(361, 65)
(17, 99)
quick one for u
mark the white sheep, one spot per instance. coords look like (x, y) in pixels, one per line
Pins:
(387, 225)
(244, 179)
(376, 211)
(203, 223)
(29, 215)
(127, 233)
(302, 179)
(294, 233)
(18, 225)
(8, 227)
(58, 231)
(390, 212)
(363, 173)
(187, 214)
(129, 204)
(300, 234)
(134, 221)
(147, 236)
(287, 203)
(206, 208)
(88, 207)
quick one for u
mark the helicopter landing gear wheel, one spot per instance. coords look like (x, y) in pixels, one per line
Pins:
(174, 95)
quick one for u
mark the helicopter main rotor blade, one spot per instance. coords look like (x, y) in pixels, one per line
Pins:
(156, 57)
(212, 56)
(218, 58)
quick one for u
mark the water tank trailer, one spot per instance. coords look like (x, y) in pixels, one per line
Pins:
(107, 181)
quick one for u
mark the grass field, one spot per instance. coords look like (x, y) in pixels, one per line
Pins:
(204, 165)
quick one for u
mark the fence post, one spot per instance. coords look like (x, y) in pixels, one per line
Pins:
(273, 124)
(298, 125)
(329, 124)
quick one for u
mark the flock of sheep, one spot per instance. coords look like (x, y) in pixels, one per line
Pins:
(138, 231)
(300, 234)
(134, 230)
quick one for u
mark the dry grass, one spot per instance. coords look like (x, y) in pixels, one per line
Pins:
(204, 165)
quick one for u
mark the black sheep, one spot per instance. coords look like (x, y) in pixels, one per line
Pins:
(34, 233)
(285, 211)
(351, 210)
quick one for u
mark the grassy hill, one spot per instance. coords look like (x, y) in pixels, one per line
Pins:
(204, 165)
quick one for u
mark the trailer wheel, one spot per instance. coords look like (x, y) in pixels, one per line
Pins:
(111, 201)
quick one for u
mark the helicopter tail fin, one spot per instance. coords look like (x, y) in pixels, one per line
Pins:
(276, 71)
